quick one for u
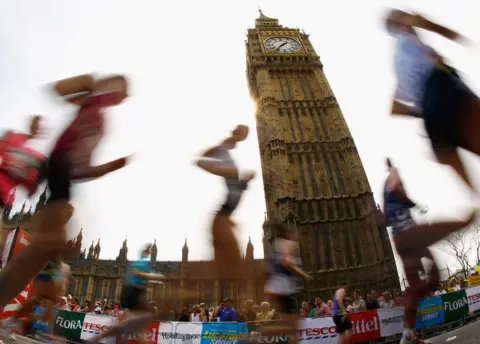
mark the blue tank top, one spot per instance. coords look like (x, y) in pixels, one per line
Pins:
(397, 211)
(337, 310)
(275, 265)
(142, 266)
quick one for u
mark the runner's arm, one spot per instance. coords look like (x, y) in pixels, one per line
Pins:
(86, 173)
(147, 276)
(395, 184)
(340, 296)
(289, 264)
(76, 89)
(209, 163)
(423, 23)
(401, 109)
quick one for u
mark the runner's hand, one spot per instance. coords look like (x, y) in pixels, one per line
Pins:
(119, 163)
(248, 176)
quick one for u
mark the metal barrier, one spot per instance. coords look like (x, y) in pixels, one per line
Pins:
(425, 333)
(170, 332)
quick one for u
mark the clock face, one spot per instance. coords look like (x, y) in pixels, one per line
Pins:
(282, 45)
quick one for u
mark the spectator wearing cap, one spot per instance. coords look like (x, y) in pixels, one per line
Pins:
(227, 312)
(98, 310)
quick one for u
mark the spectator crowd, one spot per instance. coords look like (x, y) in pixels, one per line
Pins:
(249, 311)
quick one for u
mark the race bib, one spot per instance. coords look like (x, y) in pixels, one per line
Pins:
(22, 164)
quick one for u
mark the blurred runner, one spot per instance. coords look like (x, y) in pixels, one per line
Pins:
(340, 316)
(428, 88)
(69, 162)
(412, 242)
(50, 286)
(134, 296)
(218, 161)
(20, 165)
(281, 282)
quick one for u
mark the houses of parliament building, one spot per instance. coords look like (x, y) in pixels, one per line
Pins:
(314, 182)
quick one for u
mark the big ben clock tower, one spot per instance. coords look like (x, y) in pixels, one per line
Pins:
(314, 179)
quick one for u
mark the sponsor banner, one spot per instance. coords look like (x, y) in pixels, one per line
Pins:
(149, 335)
(69, 325)
(473, 296)
(222, 333)
(94, 325)
(430, 312)
(7, 247)
(186, 333)
(317, 330)
(21, 242)
(391, 321)
(17, 241)
(455, 305)
(365, 326)
(474, 280)
(255, 328)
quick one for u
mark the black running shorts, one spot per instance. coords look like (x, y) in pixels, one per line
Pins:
(445, 104)
(234, 195)
(286, 303)
(59, 176)
(342, 323)
(134, 298)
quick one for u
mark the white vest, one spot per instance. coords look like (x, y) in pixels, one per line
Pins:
(413, 65)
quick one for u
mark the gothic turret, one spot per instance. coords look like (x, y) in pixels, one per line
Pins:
(185, 252)
(83, 254)
(153, 253)
(122, 254)
(90, 251)
(80, 235)
(249, 254)
(97, 250)
(41, 200)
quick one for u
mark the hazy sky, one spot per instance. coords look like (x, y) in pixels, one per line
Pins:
(186, 63)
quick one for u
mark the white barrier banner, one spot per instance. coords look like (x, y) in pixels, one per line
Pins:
(391, 321)
(187, 333)
(473, 296)
(317, 331)
(93, 325)
(166, 332)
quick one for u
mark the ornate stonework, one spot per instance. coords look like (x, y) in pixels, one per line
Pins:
(99, 279)
(313, 176)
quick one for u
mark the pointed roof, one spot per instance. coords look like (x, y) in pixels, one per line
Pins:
(91, 247)
(154, 246)
(265, 22)
(185, 247)
(80, 234)
(263, 16)
(97, 247)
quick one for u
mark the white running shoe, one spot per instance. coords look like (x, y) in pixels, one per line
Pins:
(407, 341)
(8, 325)
(414, 340)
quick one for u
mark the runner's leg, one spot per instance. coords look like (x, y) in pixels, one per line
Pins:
(48, 241)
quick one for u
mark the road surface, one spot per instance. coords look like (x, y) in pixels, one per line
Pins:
(469, 334)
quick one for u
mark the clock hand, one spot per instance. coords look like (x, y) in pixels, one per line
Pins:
(281, 45)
